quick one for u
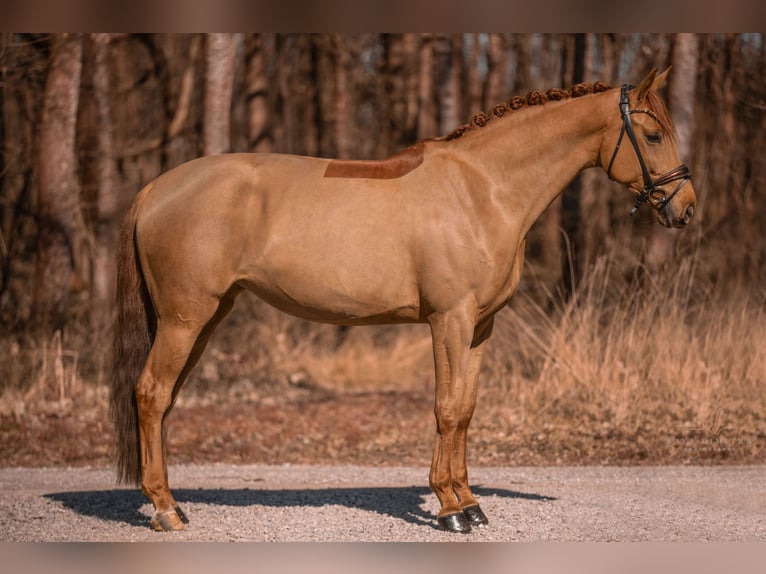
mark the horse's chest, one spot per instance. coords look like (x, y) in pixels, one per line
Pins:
(505, 281)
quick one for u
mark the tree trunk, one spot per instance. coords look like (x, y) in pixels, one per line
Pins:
(449, 55)
(16, 166)
(303, 126)
(473, 93)
(427, 124)
(306, 98)
(103, 275)
(497, 67)
(594, 203)
(258, 136)
(179, 107)
(573, 68)
(398, 92)
(343, 112)
(324, 105)
(522, 81)
(219, 83)
(681, 88)
(61, 225)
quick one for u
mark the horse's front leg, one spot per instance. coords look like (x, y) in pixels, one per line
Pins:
(456, 361)
(467, 502)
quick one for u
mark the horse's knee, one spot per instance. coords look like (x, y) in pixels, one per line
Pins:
(446, 419)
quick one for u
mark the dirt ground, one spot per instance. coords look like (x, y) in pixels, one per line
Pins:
(308, 425)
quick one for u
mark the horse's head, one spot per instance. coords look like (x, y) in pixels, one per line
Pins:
(639, 150)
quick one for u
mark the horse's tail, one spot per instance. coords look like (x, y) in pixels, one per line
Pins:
(133, 336)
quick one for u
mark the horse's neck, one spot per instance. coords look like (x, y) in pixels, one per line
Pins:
(531, 158)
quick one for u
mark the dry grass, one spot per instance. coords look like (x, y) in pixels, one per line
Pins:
(39, 374)
(674, 351)
(263, 350)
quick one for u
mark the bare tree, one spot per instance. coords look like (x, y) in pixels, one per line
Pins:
(398, 92)
(427, 122)
(573, 72)
(343, 97)
(107, 187)
(304, 100)
(593, 185)
(20, 75)
(497, 68)
(62, 227)
(474, 85)
(522, 49)
(259, 138)
(179, 108)
(219, 83)
(681, 92)
(450, 60)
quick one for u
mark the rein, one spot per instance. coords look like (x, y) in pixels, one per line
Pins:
(651, 191)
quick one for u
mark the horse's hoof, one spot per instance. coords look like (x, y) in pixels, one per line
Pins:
(181, 515)
(167, 521)
(455, 522)
(475, 516)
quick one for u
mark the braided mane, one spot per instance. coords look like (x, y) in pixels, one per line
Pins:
(533, 98)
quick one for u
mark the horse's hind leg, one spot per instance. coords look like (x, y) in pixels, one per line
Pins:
(179, 342)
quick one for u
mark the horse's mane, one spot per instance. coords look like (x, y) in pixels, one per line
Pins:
(655, 106)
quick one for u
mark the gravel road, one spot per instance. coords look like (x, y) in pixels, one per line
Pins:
(350, 503)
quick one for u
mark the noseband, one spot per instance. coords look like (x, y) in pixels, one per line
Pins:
(651, 191)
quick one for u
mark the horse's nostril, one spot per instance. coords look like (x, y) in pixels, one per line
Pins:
(688, 213)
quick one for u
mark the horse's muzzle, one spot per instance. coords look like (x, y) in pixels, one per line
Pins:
(670, 219)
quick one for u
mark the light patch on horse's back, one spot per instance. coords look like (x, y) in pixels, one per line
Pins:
(393, 167)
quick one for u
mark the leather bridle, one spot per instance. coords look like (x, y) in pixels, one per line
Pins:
(651, 191)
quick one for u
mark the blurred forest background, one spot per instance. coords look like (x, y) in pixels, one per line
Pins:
(88, 119)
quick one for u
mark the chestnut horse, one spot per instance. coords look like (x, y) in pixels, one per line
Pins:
(434, 234)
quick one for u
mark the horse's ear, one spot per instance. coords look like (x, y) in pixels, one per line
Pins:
(646, 84)
(659, 80)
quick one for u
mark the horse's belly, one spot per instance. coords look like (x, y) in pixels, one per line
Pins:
(332, 296)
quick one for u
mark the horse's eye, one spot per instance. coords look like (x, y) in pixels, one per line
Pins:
(654, 138)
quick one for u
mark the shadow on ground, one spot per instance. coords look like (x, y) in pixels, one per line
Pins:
(404, 503)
